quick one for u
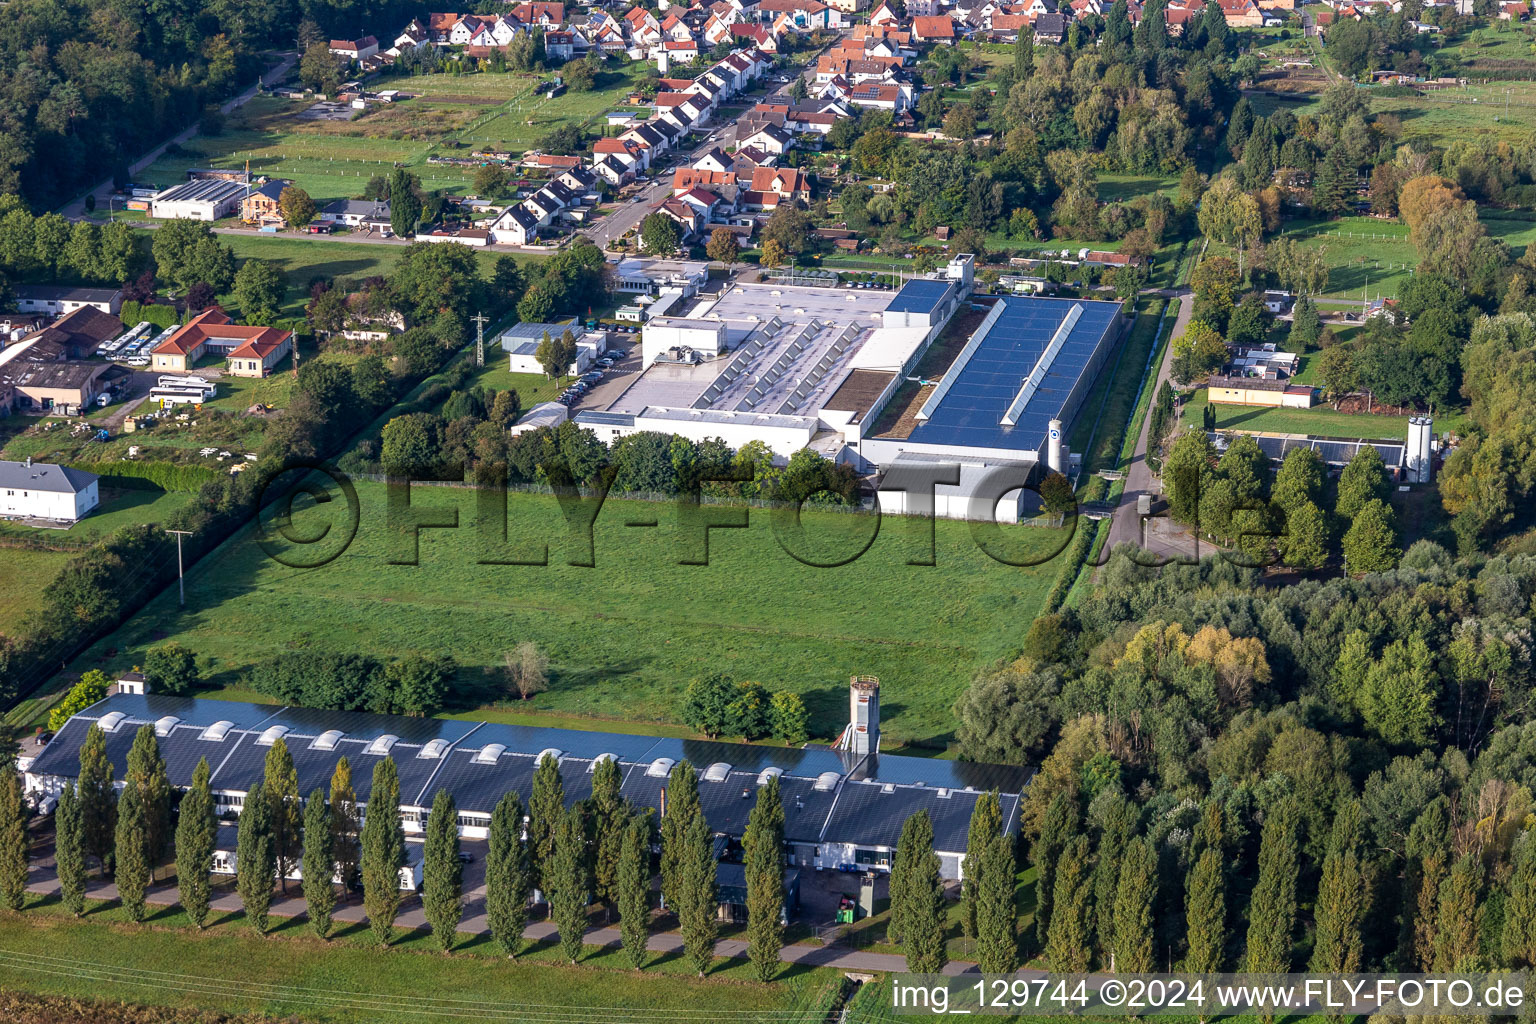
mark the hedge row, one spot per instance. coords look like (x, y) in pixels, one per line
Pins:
(162, 476)
(160, 316)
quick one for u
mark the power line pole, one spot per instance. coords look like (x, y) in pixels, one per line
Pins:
(479, 320)
(181, 587)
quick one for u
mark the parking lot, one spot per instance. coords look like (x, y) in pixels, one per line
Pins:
(601, 392)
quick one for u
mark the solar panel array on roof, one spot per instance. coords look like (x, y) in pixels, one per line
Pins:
(920, 296)
(977, 397)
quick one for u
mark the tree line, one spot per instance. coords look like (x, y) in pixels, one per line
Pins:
(596, 853)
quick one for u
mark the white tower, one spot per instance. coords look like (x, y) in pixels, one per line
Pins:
(863, 736)
(1416, 454)
(1055, 449)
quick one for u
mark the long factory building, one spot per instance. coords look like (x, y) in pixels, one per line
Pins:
(844, 805)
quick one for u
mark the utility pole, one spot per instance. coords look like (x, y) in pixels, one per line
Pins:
(479, 320)
(181, 587)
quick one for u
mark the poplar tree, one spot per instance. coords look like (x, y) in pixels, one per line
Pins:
(69, 850)
(1120, 821)
(14, 841)
(146, 770)
(901, 871)
(319, 865)
(1206, 914)
(682, 796)
(566, 883)
(131, 853)
(1461, 915)
(1428, 851)
(344, 823)
(507, 882)
(255, 863)
(1135, 897)
(196, 837)
(282, 786)
(763, 858)
(98, 800)
(1024, 55)
(1272, 910)
(1519, 936)
(1067, 945)
(986, 821)
(1342, 894)
(923, 893)
(546, 809)
(610, 817)
(699, 901)
(442, 873)
(634, 889)
(997, 942)
(1056, 831)
(383, 850)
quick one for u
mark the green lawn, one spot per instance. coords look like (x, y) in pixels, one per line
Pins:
(27, 573)
(532, 388)
(237, 394)
(228, 968)
(625, 637)
(1504, 111)
(1320, 420)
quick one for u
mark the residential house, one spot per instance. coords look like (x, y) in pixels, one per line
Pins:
(249, 351)
(714, 160)
(703, 202)
(440, 27)
(369, 214)
(628, 153)
(884, 14)
(413, 35)
(848, 6)
(560, 45)
(924, 8)
(786, 182)
(544, 15)
(260, 205)
(676, 51)
(643, 28)
(43, 490)
(895, 98)
(516, 225)
(757, 35)
(800, 15)
(1050, 28)
(355, 49)
(770, 139)
(1242, 13)
(939, 28)
(688, 217)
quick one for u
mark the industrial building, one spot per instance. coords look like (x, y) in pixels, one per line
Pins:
(41, 490)
(200, 199)
(831, 369)
(844, 805)
(1410, 461)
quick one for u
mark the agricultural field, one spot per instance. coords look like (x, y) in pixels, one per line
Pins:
(1505, 111)
(626, 636)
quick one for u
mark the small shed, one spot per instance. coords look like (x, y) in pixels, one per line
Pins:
(731, 884)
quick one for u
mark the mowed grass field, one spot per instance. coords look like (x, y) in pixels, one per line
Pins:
(24, 575)
(1320, 420)
(625, 636)
(348, 981)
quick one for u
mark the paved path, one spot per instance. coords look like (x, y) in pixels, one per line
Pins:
(103, 191)
(44, 882)
(1126, 526)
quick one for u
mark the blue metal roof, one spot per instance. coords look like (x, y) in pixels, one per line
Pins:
(970, 414)
(921, 296)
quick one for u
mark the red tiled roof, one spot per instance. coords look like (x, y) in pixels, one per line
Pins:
(938, 26)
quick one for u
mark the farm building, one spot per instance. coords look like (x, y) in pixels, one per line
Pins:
(844, 805)
(41, 490)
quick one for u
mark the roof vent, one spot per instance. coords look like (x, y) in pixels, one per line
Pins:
(889, 787)
(768, 773)
(943, 794)
(217, 731)
(553, 752)
(489, 753)
(328, 740)
(826, 781)
(717, 772)
(111, 720)
(164, 725)
(434, 749)
(599, 759)
(381, 746)
(660, 768)
(272, 734)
